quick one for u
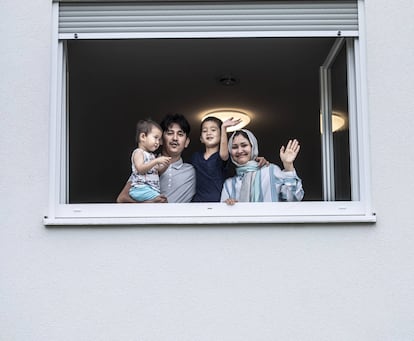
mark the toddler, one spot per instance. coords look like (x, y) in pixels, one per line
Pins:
(145, 166)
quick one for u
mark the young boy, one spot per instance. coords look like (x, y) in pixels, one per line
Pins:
(211, 164)
(145, 166)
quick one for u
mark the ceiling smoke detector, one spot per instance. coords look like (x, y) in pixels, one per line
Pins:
(228, 80)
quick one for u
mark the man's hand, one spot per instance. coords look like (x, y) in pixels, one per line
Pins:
(124, 198)
(161, 199)
(262, 161)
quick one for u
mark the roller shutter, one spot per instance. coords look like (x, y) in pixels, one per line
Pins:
(103, 20)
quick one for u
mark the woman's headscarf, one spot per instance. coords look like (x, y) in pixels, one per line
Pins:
(251, 184)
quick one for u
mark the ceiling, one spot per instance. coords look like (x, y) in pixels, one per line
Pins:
(113, 84)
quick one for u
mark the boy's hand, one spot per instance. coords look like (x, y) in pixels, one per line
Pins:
(230, 123)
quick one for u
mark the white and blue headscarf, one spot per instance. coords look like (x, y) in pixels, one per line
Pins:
(251, 189)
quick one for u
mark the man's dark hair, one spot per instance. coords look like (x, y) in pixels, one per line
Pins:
(176, 118)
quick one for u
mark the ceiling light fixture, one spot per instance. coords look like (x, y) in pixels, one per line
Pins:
(228, 79)
(225, 114)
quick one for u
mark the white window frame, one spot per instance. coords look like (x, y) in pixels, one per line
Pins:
(358, 210)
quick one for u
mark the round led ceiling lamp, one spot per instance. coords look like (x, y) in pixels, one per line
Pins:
(225, 114)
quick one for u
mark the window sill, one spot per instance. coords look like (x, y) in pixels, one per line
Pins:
(210, 213)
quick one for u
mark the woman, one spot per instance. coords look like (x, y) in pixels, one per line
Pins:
(254, 184)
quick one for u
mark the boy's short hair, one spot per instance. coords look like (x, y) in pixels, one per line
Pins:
(212, 119)
(178, 119)
(145, 126)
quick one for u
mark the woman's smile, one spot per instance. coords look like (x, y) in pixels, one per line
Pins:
(241, 150)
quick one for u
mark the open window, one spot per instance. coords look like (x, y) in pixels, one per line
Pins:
(298, 66)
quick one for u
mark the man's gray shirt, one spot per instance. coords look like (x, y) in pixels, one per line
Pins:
(178, 182)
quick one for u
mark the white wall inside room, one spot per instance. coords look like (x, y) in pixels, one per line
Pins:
(300, 282)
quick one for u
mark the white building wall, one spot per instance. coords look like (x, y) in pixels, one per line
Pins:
(304, 282)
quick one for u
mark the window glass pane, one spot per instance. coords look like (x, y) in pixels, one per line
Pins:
(341, 133)
(114, 83)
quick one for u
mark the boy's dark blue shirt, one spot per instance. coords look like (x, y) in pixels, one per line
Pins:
(210, 176)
